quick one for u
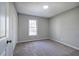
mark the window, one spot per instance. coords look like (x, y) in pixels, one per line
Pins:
(32, 27)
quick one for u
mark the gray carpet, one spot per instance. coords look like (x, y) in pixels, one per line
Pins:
(44, 48)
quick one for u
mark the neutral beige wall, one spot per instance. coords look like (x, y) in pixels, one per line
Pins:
(64, 28)
(42, 32)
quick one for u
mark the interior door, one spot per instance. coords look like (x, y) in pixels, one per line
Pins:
(6, 48)
(3, 29)
(9, 42)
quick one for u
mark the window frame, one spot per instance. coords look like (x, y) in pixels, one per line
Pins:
(31, 27)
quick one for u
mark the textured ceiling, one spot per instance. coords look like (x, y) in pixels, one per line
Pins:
(36, 8)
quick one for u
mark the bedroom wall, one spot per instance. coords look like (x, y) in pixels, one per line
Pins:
(64, 28)
(42, 25)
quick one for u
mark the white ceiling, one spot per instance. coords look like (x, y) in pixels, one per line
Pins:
(36, 8)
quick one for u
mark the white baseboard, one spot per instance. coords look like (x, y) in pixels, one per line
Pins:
(67, 44)
(28, 41)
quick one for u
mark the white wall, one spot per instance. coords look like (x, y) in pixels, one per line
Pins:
(42, 25)
(64, 28)
(13, 24)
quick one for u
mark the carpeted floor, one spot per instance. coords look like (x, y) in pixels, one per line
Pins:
(44, 48)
